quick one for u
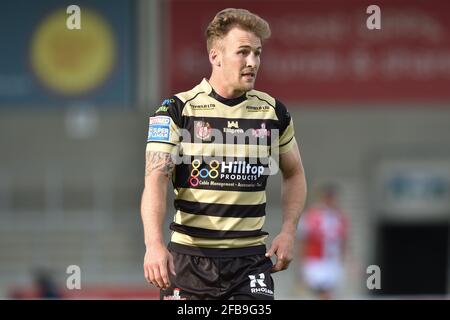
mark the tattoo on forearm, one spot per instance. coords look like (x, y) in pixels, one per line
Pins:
(161, 161)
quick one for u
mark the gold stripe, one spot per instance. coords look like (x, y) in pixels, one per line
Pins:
(227, 150)
(219, 223)
(217, 243)
(222, 197)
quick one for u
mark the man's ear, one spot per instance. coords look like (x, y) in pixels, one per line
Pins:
(215, 57)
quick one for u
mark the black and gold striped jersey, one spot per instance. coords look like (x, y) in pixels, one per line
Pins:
(224, 150)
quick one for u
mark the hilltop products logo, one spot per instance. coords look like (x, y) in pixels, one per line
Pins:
(240, 170)
(232, 170)
(204, 172)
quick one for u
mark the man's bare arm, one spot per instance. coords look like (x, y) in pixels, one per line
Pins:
(293, 189)
(158, 261)
(159, 161)
(293, 200)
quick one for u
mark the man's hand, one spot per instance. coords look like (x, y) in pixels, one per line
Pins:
(157, 263)
(283, 248)
(293, 198)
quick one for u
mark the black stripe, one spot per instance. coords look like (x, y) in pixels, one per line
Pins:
(283, 116)
(175, 111)
(162, 142)
(215, 234)
(221, 210)
(204, 178)
(244, 134)
(217, 252)
(244, 123)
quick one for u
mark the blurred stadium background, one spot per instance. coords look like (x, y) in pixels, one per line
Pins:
(371, 110)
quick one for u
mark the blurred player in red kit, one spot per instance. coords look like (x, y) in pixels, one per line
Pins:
(323, 231)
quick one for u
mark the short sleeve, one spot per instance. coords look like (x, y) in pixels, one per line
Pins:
(164, 127)
(286, 125)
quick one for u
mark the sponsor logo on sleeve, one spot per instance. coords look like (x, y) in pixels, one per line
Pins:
(165, 105)
(159, 129)
(162, 109)
(167, 102)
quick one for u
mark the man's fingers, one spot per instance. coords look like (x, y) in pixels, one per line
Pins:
(277, 267)
(157, 263)
(146, 275)
(150, 275)
(281, 264)
(158, 280)
(164, 276)
(270, 252)
(171, 265)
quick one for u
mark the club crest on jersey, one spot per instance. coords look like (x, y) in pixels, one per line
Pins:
(262, 132)
(202, 130)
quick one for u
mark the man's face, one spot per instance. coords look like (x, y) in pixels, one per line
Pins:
(240, 58)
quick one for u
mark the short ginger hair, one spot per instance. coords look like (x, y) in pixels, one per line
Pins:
(229, 18)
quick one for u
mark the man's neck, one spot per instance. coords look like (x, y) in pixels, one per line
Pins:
(222, 89)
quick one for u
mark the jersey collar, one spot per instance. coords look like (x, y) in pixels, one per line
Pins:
(206, 87)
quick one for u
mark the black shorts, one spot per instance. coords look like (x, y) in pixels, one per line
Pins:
(201, 278)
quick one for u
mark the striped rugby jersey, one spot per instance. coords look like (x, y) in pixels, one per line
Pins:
(225, 150)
